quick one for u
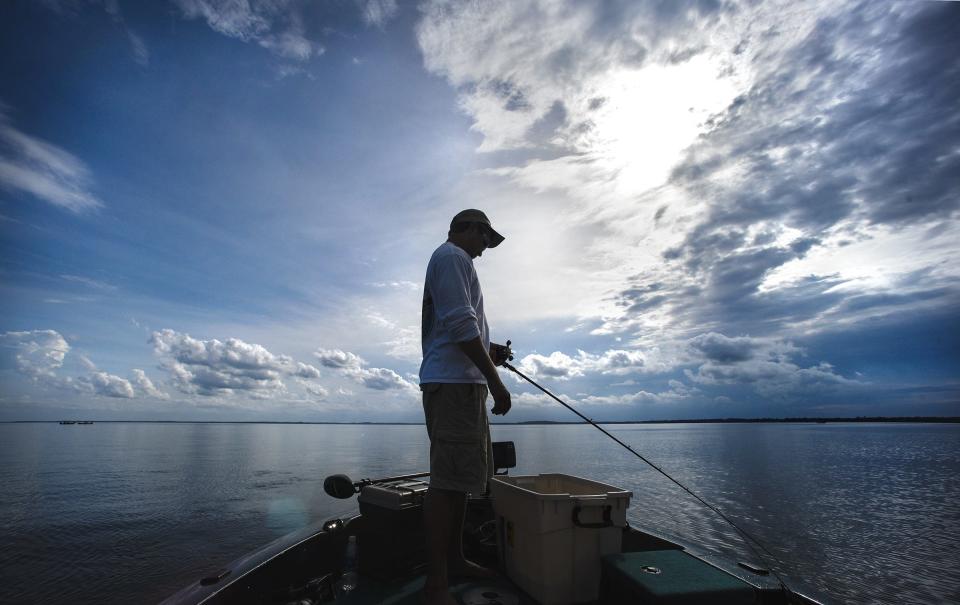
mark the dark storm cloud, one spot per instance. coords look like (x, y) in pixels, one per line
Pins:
(855, 125)
(857, 121)
(913, 126)
(641, 297)
(872, 301)
(723, 349)
(735, 305)
(737, 276)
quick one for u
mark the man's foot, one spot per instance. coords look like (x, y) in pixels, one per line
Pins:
(469, 569)
(437, 596)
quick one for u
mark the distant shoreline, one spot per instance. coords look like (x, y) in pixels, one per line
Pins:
(801, 420)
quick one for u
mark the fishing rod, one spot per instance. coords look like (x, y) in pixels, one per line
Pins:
(743, 532)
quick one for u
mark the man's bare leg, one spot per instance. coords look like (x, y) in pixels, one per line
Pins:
(457, 563)
(440, 516)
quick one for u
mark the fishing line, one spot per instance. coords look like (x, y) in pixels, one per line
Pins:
(743, 533)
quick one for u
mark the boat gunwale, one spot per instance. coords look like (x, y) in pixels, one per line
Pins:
(242, 567)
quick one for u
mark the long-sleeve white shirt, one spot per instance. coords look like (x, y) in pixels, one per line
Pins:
(452, 313)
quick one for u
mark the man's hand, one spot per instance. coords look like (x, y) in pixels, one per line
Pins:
(500, 353)
(501, 398)
(481, 358)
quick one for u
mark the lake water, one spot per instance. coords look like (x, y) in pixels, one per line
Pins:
(127, 512)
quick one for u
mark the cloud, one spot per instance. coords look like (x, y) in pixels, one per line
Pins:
(40, 354)
(144, 385)
(102, 383)
(36, 354)
(355, 367)
(404, 341)
(337, 359)
(383, 379)
(141, 54)
(276, 25)
(830, 134)
(86, 363)
(616, 362)
(677, 392)
(722, 349)
(397, 284)
(315, 390)
(845, 130)
(43, 170)
(566, 75)
(774, 378)
(89, 282)
(379, 12)
(304, 370)
(556, 365)
(70, 8)
(290, 45)
(764, 364)
(714, 151)
(214, 367)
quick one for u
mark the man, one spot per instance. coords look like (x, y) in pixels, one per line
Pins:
(458, 369)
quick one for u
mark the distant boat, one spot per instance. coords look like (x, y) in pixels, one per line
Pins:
(68, 422)
(85, 422)
(554, 540)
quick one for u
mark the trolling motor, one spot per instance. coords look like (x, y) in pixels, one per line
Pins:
(342, 487)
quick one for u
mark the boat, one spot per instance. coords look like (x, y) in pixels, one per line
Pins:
(379, 554)
(68, 422)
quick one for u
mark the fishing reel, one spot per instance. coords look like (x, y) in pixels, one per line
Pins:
(503, 354)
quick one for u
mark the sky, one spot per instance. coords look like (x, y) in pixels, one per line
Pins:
(223, 210)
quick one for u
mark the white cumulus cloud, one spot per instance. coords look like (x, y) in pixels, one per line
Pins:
(337, 359)
(102, 383)
(356, 368)
(143, 384)
(37, 353)
(215, 367)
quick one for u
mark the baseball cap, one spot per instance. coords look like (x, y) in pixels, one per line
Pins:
(472, 215)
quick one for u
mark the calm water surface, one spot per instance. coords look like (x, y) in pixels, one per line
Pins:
(118, 512)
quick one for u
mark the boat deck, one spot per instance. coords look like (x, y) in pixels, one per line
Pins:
(498, 591)
(379, 556)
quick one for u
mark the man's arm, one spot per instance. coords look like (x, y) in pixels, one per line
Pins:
(481, 358)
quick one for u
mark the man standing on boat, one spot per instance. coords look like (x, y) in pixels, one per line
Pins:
(458, 371)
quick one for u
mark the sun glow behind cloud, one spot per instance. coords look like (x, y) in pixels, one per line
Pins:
(875, 259)
(650, 115)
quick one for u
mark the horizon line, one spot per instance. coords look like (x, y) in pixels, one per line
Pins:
(729, 420)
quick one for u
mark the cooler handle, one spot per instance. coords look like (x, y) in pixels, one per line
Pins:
(607, 520)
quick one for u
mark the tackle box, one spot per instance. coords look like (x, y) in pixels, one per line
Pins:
(391, 535)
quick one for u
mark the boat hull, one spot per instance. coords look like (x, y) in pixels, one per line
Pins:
(310, 566)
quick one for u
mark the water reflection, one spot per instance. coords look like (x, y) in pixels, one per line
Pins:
(866, 513)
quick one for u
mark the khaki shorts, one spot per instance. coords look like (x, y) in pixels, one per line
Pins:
(461, 456)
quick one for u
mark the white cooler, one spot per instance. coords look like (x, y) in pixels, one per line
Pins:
(553, 531)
